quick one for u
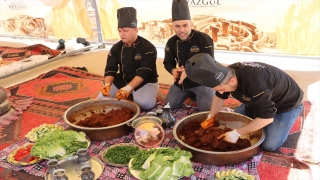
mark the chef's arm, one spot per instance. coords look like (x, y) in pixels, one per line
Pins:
(108, 80)
(216, 105)
(169, 60)
(135, 82)
(266, 109)
(256, 124)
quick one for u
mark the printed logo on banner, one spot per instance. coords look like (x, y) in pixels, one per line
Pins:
(17, 5)
(204, 3)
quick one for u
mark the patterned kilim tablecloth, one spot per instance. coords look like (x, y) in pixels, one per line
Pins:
(202, 171)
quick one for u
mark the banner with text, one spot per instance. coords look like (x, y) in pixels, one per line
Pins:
(264, 26)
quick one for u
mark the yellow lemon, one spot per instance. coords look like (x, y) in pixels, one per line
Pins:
(238, 173)
(223, 174)
(233, 171)
(218, 175)
(228, 173)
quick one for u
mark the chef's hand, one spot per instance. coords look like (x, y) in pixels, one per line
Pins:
(105, 90)
(208, 122)
(176, 73)
(231, 136)
(124, 92)
(183, 74)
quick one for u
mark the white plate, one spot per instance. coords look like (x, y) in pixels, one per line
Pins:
(135, 173)
(12, 161)
(43, 128)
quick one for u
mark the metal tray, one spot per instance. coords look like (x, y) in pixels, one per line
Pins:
(71, 166)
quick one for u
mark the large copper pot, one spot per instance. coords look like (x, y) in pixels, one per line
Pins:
(230, 120)
(84, 109)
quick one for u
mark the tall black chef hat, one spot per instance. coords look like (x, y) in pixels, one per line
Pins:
(127, 17)
(180, 10)
(203, 69)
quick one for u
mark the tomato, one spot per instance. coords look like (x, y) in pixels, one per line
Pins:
(31, 159)
(29, 146)
(23, 152)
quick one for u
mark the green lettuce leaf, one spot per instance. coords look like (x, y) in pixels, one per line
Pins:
(163, 163)
(58, 144)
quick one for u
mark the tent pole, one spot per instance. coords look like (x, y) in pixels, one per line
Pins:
(100, 36)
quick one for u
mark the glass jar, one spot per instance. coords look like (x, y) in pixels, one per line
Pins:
(87, 173)
(59, 174)
(149, 134)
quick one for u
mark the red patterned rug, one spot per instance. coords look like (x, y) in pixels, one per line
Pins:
(10, 54)
(55, 91)
(289, 162)
(52, 93)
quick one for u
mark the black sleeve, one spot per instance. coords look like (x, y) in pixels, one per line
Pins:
(147, 62)
(206, 44)
(112, 62)
(169, 56)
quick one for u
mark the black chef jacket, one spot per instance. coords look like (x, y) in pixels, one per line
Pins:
(177, 51)
(139, 59)
(265, 89)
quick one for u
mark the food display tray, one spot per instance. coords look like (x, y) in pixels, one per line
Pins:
(72, 168)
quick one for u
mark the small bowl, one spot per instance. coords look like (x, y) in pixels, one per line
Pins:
(148, 134)
(135, 123)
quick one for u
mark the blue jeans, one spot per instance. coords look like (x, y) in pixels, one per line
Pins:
(277, 132)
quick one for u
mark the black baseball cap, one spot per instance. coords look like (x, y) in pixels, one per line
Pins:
(203, 69)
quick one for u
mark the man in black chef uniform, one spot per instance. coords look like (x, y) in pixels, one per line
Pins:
(268, 95)
(179, 48)
(131, 64)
